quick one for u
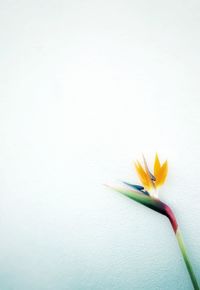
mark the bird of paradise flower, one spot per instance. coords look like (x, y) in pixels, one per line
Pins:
(147, 194)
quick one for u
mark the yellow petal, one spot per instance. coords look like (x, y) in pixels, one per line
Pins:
(156, 166)
(162, 174)
(143, 176)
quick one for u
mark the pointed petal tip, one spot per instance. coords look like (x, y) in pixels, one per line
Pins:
(162, 174)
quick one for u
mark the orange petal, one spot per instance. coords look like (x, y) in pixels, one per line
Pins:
(162, 174)
(156, 166)
(143, 176)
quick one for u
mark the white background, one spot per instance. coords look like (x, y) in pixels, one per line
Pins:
(86, 88)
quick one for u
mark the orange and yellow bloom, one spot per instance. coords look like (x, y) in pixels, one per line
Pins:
(152, 182)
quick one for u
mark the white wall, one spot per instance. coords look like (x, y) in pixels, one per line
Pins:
(86, 87)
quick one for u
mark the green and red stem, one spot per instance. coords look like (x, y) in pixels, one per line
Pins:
(181, 244)
(186, 259)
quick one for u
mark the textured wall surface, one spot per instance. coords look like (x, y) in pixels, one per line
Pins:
(86, 88)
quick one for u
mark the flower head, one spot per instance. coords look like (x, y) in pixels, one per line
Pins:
(152, 182)
(146, 193)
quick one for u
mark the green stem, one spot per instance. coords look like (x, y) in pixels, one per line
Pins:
(186, 259)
